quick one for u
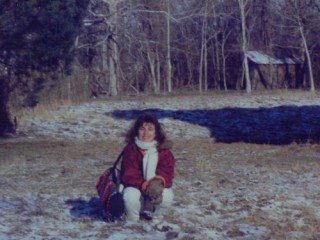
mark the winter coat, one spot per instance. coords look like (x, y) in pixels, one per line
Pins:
(132, 164)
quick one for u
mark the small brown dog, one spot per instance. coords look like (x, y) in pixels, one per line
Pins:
(154, 191)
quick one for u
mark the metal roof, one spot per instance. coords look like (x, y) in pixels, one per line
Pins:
(262, 58)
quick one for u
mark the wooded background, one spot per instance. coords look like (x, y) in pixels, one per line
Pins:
(73, 50)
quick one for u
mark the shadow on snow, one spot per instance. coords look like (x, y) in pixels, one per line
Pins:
(82, 208)
(277, 125)
(93, 209)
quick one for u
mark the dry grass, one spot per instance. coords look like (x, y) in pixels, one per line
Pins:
(45, 110)
(219, 158)
(38, 161)
(218, 186)
(47, 150)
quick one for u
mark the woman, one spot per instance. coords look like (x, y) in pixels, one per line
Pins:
(146, 157)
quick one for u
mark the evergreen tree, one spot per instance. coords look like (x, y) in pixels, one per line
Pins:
(35, 35)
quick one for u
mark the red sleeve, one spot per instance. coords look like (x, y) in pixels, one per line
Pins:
(131, 167)
(165, 167)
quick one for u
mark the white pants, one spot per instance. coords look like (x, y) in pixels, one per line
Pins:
(133, 201)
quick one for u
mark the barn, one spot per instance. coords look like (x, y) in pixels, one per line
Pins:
(268, 72)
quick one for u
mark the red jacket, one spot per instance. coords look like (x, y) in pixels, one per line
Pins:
(131, 167)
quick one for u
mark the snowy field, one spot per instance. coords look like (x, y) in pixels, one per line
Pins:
(247, 167)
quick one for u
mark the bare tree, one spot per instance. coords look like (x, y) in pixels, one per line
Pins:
(203, 52)
(169, 67)
(242, 6)
(162, 45)
(223, 25)
(112, 41)
(154, 40)
(103, 36)
(302, 16)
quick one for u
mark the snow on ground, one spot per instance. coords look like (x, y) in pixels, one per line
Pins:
(237, 199)
(181, 116)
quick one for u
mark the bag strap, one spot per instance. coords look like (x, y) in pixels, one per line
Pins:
(118, 160)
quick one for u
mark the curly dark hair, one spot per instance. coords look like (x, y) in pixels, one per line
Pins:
(146, 118)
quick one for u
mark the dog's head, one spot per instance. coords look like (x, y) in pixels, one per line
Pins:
(154, 191)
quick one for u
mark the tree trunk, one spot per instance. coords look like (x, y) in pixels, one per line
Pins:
(158, 73)
(105, 64)
(113, 53)
(5, 123)
(224, 66)
(4, 116)
(113, 89)
(305, 46)
(216, 53)
(152, 67)
(202, 69)
(242, 4)
(169, 66)
(205, 49)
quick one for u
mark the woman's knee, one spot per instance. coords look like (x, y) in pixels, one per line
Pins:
(131, 194)
(167, 197)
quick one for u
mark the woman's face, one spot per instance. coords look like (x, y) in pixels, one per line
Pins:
(147, 132)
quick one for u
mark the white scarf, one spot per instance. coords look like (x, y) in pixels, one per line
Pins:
(150, 158)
